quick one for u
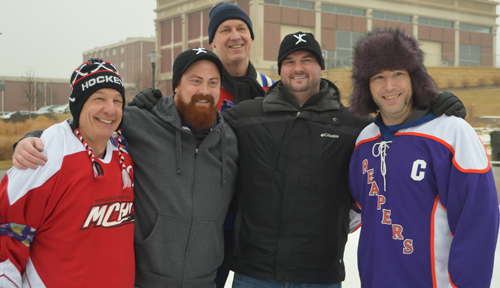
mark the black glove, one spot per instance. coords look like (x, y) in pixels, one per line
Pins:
(147, 98)
(449, 104)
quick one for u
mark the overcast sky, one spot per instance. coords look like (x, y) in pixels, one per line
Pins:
(49, 36)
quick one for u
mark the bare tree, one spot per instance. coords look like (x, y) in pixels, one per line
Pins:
(140, 82)
(30, 90)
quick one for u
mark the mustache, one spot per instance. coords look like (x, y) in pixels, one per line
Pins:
(303, 73)
(201, 96)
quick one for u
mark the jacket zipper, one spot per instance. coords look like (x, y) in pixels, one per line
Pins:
(190, 228)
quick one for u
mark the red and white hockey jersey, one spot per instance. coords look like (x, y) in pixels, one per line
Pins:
(84, 226)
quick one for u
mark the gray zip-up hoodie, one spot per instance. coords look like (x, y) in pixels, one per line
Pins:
(182, 194)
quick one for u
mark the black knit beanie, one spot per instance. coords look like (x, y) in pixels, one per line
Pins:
(224, 11)
(89, 77)
(297, 42)
(388, 49)
(188, 57)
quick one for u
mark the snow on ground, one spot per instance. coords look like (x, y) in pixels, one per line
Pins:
(484, 135)
(351, 262)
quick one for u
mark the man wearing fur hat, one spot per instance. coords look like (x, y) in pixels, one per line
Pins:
(428, 200)
(70, 223)
(186, 165)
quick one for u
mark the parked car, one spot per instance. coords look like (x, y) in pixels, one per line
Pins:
(6, 115)
(46, 109)
(61, 109)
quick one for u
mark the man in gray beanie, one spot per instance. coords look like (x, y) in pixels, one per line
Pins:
(230, 32)
(424, 184)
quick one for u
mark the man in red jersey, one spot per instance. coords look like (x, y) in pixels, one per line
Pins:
(70, 223)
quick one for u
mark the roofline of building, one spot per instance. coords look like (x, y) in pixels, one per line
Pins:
(37, 79)
(121, 43)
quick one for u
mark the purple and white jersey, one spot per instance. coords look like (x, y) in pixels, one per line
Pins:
(429, 206)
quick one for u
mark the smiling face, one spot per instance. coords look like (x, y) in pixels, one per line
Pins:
(197, 94)
(392, 92)
(100, 116)
(233, 41)
(301, 75)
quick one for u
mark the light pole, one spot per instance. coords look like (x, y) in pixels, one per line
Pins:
(154, 56)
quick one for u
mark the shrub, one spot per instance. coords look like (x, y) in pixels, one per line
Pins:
(496, 80)
(465, 82)
(451, 83)
(482, 82)
(10, 132)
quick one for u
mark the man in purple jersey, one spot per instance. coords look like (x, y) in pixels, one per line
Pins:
(428, 200)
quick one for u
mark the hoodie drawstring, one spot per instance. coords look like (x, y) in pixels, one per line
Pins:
(178, 149)
(224, 156)
(382, 148)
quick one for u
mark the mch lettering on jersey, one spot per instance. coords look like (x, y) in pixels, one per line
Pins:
(397, 230)
(109, 215)
(101, 79)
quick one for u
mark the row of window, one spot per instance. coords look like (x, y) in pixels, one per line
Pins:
(122, 50)
(470, 55)
(376, 15)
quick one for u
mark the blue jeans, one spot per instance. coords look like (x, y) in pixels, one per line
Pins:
(242, 281)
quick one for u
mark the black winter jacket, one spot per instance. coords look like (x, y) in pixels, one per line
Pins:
(293, 207)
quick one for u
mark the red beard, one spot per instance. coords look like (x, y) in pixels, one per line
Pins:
(199, 117)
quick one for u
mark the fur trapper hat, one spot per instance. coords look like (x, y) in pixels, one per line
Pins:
(388, 49)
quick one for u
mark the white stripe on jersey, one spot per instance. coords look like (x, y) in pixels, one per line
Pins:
(456, 132)
(57, 144)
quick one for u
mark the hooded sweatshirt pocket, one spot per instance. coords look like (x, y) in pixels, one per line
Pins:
(162, 251)
(205, 252)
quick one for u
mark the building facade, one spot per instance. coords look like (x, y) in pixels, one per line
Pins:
(131, 59)
(451, 32)
(45, 91)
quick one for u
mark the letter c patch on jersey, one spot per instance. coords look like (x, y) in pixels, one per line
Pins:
(417, 172)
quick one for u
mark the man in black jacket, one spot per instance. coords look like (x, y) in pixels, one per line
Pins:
(293, 205)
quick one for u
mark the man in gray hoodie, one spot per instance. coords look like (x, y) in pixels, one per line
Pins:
(185, 172)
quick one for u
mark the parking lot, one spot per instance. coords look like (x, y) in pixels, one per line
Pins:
(22, 115)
